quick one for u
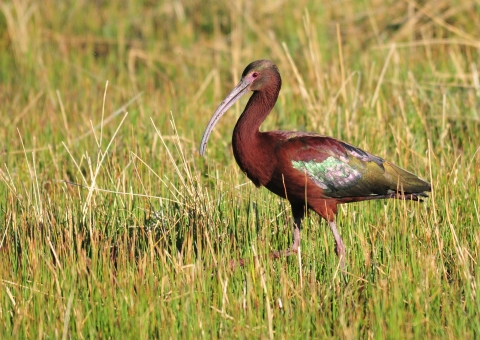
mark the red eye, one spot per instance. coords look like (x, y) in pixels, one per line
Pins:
(254, 74)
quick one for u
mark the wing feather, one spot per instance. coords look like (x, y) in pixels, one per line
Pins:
(343, 170)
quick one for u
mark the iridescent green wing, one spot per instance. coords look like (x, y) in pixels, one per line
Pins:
(331, 174)
(339, 169)
(342, 170)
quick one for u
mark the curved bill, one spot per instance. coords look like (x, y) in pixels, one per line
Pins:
(236, 93)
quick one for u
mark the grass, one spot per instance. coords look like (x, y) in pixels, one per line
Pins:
(113, 226)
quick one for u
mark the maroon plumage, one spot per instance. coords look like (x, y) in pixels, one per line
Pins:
(310, 170)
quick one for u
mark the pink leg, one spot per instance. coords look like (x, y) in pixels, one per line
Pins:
(296, 235)
(339, 246)
(296, 241)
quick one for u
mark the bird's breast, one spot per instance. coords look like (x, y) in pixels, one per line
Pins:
(255, 159)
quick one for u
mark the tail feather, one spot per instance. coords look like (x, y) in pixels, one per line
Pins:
(409, 182)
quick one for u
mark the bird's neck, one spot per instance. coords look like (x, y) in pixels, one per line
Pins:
(249, 147)
(257, 109)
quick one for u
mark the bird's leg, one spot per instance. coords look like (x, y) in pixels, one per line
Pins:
(298, 211)
(339, 246)
(297, 224)
(296, 240)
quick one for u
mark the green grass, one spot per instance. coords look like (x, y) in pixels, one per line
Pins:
(142, 246)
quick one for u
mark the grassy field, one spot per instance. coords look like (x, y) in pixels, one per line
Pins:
(113, 226)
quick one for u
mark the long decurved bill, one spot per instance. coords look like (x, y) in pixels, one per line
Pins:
(236, 93)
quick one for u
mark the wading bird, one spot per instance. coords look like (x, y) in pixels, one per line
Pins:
(309, 170)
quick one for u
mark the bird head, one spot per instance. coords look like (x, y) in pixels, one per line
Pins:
(257, 76)
(259, 73)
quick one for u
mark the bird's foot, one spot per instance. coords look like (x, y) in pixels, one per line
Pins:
(235, 263)
(341, 253)
(274, 255)
(242, 262)
(284, 253)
